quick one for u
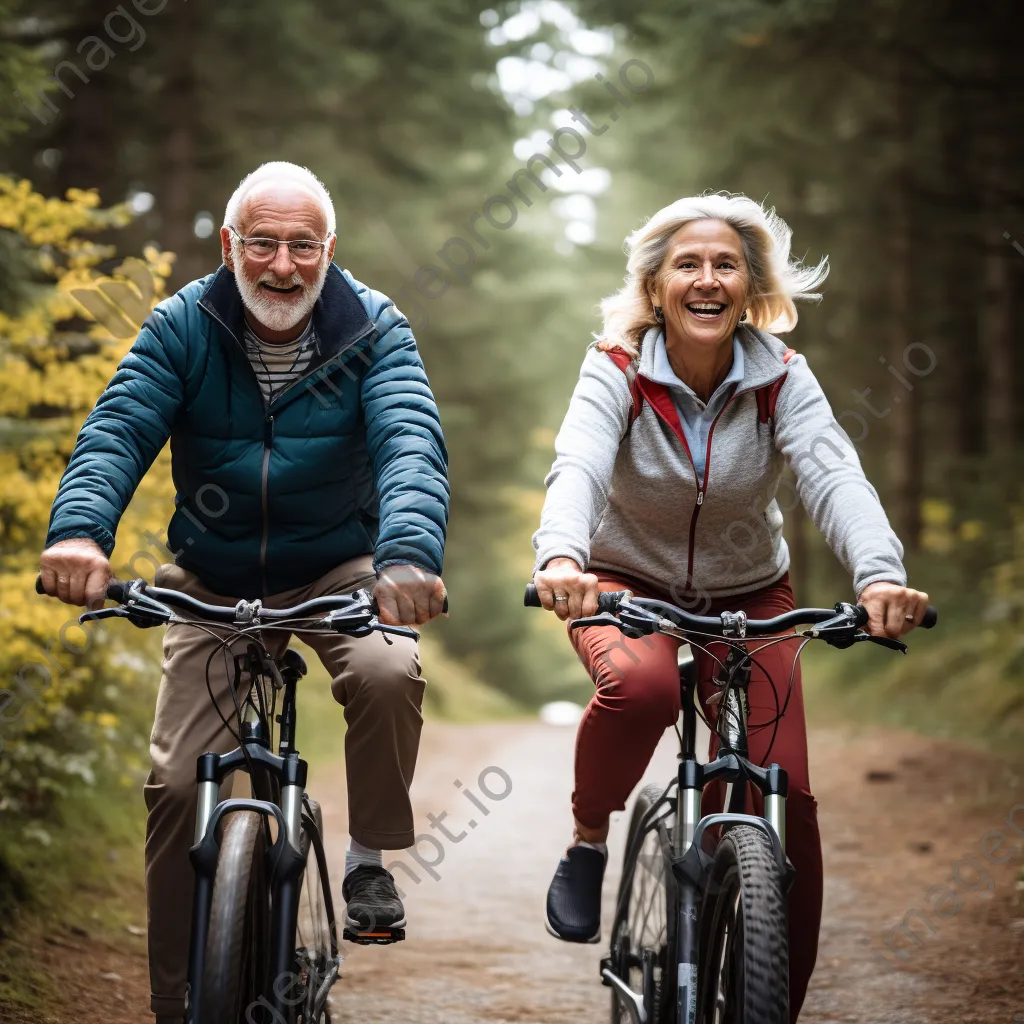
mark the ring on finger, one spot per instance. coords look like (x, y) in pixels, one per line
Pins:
(909, 618)
(561, 597)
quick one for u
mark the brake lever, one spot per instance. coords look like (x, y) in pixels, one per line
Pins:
(141, 617)
(638, 621)
(607, 619)
(102, 613)
(396, 630)
(882, 641)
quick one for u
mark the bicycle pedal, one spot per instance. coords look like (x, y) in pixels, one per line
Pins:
(378, 937)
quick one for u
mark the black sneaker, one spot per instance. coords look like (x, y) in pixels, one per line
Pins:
(574, 896)
(374, 907)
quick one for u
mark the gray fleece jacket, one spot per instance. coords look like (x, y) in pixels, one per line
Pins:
(624, 497)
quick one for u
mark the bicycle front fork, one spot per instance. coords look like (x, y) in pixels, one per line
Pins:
(284, 856)
(691, 863)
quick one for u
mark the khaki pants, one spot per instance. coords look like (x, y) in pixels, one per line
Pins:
(380, 688)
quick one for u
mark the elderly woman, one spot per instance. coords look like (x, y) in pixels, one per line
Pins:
(667, 465)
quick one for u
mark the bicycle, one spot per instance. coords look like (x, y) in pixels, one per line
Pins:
(700, 934)
(264, 944)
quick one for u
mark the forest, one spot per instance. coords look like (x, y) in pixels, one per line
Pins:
(486, 161)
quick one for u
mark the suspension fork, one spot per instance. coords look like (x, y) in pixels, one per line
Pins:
(691, 785)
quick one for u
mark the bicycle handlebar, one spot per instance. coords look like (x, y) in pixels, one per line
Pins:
(610, 602)
(145, 605)
(120, 591)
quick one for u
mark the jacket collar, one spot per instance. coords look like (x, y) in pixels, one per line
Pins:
(338, 316)
(762, 357)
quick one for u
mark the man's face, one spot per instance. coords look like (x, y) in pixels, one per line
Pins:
(279, 290)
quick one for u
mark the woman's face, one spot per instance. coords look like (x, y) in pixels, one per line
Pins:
(702, 285)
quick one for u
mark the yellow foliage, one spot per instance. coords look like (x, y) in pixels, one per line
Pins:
(972, 529)
(936, 513)
(62, 699)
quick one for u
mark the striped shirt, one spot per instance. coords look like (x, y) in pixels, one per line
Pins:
(278, 365)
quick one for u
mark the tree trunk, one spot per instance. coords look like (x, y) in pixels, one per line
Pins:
(178, 192)
(906, 454)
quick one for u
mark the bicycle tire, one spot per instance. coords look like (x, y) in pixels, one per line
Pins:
(647, 886)
(236, 963)
(744, 949)
(316, 938)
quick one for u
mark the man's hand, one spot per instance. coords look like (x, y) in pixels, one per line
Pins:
(563, 588)
(407, 596)
(76, 571)
(892, 610)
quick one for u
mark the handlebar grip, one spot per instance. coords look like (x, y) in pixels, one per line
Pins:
(931, 616)
(116, 590)
(375, 608)
(606, 602)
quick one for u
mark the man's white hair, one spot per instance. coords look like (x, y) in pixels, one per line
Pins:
(280, 171)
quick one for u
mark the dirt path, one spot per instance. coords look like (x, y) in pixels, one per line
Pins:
(478, 951)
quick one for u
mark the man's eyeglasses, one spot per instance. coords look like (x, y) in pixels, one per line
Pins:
(303, 250)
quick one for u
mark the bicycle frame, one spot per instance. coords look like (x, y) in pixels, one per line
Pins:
(289, 771)
(282, 776)
(690, 862)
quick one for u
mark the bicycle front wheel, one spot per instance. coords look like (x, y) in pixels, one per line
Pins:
(744, 950)
(316, 940)
(238, 940)
(644, 931)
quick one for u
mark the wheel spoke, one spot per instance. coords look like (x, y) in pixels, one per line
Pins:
(641, 924)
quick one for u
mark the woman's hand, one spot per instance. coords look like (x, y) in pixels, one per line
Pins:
(566, 590)
(892, 610)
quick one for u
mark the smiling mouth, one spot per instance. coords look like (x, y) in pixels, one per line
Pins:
(290, 290)
(706, 310)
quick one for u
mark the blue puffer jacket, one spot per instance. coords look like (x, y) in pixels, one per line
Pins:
(349, 460)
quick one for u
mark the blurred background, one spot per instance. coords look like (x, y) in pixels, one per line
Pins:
(888, 133)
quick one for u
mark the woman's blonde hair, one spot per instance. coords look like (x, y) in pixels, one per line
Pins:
(776, 279)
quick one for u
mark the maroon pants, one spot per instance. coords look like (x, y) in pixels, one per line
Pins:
(638, 698)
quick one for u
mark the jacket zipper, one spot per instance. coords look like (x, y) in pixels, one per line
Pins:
(268, 443)
(702, 486)
(702, 489)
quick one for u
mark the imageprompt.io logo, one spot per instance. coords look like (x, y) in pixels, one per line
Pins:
(120, 304)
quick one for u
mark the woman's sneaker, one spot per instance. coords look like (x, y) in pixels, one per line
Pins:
(574, 896)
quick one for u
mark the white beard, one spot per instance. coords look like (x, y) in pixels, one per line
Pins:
(277, 313)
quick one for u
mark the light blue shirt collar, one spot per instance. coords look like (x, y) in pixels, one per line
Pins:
(662, 373)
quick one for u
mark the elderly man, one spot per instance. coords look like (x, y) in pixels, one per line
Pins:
(308, 459)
